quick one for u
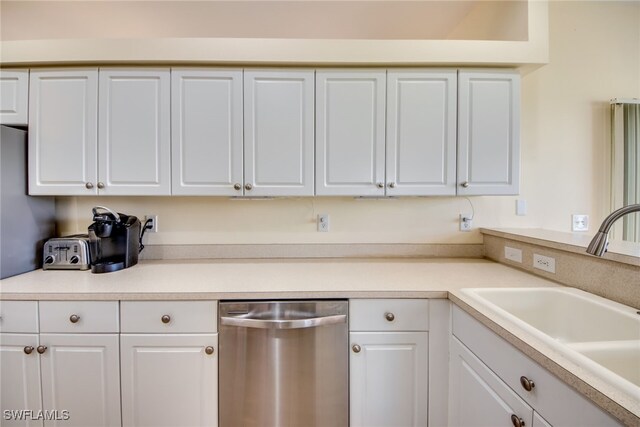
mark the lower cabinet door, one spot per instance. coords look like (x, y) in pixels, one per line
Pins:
(19, 380)
(80, 379)
(169, 380)
(388, 379)
(477, 397)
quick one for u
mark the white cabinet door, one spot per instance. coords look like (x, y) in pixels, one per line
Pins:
(20, 374)
(63, 132)
(350, 133)
(421, 132)
(169, 380)
(14, 89)
(80, 374)
(134, 137)
(488, 132)
(477, 396)
(278, 132)
(388, 379)
(206, 117)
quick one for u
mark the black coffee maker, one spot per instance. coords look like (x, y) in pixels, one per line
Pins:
(113, 240)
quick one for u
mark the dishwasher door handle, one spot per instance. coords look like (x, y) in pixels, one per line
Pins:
(283, 324)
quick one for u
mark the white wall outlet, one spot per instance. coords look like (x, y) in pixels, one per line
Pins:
(323, 222)
(513, 254)
(521, 207)
(466, 222)
(154, 223)
(545, 263)
(579, 222)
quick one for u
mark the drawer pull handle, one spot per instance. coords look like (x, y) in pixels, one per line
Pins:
(208, 350)
(517, 421)
(41, 349)
(356, 348)
(390, 316)
(526, 383)
(74, 318)
(166, 318)
(28, 349)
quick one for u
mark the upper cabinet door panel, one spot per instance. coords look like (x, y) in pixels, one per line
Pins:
(206, 116)
(14, 89)
(350, 126)
(489, 132)
(421, 132)
(279, 129)
(134, 136)
(63, 132)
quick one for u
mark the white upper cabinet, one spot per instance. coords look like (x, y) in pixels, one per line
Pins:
(350, 132)
(278, 132)
(14, 89)
(206, 132)
(134, 133)
(421, 132)
(63, 132)
(488, 132)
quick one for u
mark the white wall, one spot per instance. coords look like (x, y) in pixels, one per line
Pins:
(595, 56)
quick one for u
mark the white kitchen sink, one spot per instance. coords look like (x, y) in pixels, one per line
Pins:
(599, 335)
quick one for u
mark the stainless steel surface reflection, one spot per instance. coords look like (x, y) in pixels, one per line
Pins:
(284, 364)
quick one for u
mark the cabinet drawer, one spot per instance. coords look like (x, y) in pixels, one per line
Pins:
(389, 315)
(169, 316)
(19, 316)
(79, 316)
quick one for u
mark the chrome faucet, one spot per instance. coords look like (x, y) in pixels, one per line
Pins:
(598, 245)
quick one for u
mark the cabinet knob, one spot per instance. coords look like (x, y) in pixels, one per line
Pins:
(248, 187)
(526, 383)
(101, 185)
(390, 316)
(392, 185)
(74, 318)
(237, 187)
(89, 185)
(465, 184)
(517, 421)
(380, 185)
(208, 350)
(28, 349)
(356, 348)
(166, 318)
(41, 349)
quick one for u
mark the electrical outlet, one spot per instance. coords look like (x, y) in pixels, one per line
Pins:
(513, 254)
(545, 263)
(323, 222)
(154, 223)
(466, 222)
(580, 222)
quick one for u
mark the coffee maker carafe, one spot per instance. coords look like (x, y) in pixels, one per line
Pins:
(113, 240)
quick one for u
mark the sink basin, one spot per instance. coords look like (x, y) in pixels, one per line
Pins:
(599, 335)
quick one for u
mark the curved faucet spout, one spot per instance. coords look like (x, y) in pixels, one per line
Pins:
(600, 241)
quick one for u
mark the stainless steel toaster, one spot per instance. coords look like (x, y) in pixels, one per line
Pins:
(67, 253)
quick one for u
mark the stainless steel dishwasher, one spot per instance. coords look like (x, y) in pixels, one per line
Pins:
(284, 364)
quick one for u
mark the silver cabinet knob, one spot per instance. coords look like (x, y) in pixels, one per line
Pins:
(380, 185)
(237, 187)
(517, 421)
(356, 348)
(41, 349)
(74, 318)
(100, 184)
(166, 318)
(392, 185)
(89, 185)
(28, 349)
(465, 184)
(248, 187)
(390, 316)
(208, 350)
(526, 383)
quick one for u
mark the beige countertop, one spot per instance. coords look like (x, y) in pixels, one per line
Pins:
(323, 278)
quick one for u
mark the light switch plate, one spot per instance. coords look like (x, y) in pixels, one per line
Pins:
(521, 207)
(513, 254)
